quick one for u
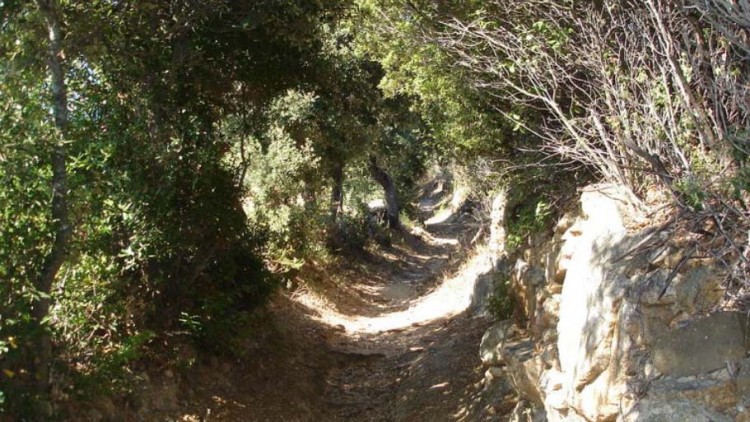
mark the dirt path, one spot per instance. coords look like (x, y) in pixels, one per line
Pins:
(399, 342)
(414, 362)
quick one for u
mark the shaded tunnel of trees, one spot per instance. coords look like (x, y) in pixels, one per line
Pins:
(164, 164)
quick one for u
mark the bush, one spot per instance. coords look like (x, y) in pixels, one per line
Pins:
(503, 302)
(526, 219)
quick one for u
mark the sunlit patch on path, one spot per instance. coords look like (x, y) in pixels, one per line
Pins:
(451, 297)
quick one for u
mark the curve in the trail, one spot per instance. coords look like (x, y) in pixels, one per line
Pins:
(452, 296)
(393, 337)
(416, 358)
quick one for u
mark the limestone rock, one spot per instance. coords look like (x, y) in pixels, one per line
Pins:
(490, 349)
(557, 273)
(655, 288)
(497, 224)
(526, 281)
(682, 410)
(569, 244)
(694, 292)
(743, 415)
(524, 369)
(527, 412)
(555, 400)
(603, 344)
(484, 289)
(550, 356)
(742, 381)
(564, 415)
(565, 222)
(716, 391)
(697, 291)
(589, 340)
(545, 322)
(553, 289)
(519, 270)
(496, 385)
(551, 310)
(704, 345)
(550, 258)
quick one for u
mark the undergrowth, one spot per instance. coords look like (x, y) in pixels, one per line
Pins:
(502, 303)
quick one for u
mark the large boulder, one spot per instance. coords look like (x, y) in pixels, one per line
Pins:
(526, 281)
(590, 301)
(702, 345)
(718, 390)
(557, 258)
(671, 411)
(524, 369)
(616, 333)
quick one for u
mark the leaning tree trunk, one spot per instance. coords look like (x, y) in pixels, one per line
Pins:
(392, 208)
(59, 209)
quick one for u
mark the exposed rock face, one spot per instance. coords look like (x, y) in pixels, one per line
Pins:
(701, 346)
(527, 412)
(497, 224)
(616, 335)
(491, 348)
(678, 410)
(485, 283)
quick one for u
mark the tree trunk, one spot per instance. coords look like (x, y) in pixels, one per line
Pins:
(59, 208)
(392, 208)
(337, 193)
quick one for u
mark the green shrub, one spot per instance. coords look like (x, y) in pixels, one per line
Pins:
(527, 218)
(350, 234)
(502, 304)
(691, 193)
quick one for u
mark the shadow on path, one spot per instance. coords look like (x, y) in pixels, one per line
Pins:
(398, 342)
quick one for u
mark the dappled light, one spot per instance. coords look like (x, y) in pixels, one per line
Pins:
(452, 296)
(294, 210)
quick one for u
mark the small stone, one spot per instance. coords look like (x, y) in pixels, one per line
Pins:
(554, 288)
(698, 290)
(494, 372)
(655, 288)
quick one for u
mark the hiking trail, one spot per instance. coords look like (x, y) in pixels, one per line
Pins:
(397, 342)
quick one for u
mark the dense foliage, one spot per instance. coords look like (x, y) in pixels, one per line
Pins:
(165, 164)
(647, 94)
(199, 140)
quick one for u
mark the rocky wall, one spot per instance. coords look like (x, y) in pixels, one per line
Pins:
(613, 332)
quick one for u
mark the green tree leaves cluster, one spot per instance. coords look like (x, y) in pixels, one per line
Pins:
(400, 36)
(202, 139)
(158, 229)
